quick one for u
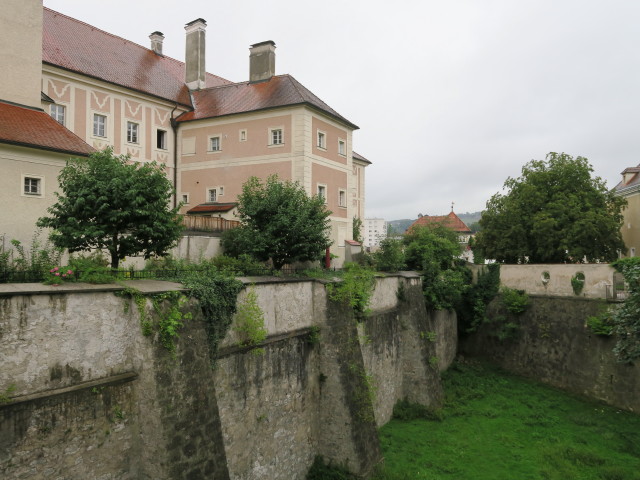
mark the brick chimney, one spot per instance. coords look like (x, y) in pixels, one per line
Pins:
(262, 61)
(194, 54)
(156, 42)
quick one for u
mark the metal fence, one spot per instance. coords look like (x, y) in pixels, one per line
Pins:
(31, 276)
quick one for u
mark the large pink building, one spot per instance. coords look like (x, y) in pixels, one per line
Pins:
(210, 133)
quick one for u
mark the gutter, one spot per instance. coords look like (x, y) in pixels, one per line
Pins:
(174, 127)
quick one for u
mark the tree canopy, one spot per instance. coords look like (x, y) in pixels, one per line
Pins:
(280, 222)
(555, 212)
(108, 203)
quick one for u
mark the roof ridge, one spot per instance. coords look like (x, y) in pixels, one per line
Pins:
(295, 84)
(125, 40)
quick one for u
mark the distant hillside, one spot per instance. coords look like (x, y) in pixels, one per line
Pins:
(400, 226)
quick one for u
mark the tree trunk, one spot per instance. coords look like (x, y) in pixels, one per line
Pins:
(114, 252)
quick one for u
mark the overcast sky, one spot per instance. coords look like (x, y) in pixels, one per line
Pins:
(451, 96)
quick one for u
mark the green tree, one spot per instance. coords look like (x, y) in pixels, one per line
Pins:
(357, 229)
(110, 204)
(279, 221)
(554, 212)
(390, 257)
(434, 251)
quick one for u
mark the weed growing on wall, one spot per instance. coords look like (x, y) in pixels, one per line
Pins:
(249, 323)
(168, 307)
(601, 324)
(5, 396)
(313, 338)
(355, 289)
(515, 301)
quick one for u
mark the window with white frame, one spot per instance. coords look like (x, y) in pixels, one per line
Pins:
(243, 135)
(99, 125)
(322, 192)
(185, 198)
(57, 113)
(276, 136)
(214, 144)
(161, 139)
(342, 198)
(322, 139)
(212, 195)
(32, 186)
(220, 191)
(132, 132)
(342, 147)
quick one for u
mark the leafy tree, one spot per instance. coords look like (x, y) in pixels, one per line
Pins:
(433, 246)
(390, 257)
(433, 250)
(357, 229)
(554, 212)
(279, 221)
(108, 203)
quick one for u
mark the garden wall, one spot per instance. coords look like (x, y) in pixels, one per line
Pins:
(553, 345)
(94, 398)
(530, 278)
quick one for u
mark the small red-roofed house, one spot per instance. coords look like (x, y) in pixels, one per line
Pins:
(210, 133)
(453, 222)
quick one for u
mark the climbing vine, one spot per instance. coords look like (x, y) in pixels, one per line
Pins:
(169, 318)
(216, 293)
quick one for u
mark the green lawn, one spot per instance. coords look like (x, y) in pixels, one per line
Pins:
(496, 426)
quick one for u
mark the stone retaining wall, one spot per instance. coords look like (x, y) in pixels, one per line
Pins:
(94, 398)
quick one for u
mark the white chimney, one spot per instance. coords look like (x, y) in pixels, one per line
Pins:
(156, 42)
(194, 54)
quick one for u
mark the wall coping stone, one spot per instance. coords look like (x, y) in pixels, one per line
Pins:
(144, 286)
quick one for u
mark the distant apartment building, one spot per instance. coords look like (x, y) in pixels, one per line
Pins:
(375, 230)
(211, 134)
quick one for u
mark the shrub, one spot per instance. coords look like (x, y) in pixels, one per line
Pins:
(515, 301)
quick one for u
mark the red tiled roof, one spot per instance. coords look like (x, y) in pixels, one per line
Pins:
(451, 221)
(212, 207)
(357, 156)
(73, 45)
(34, 128)
(279, 91)
(633, 181)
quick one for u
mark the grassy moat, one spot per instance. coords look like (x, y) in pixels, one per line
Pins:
(497, 426)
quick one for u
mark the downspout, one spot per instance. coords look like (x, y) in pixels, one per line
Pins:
(174, 127)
